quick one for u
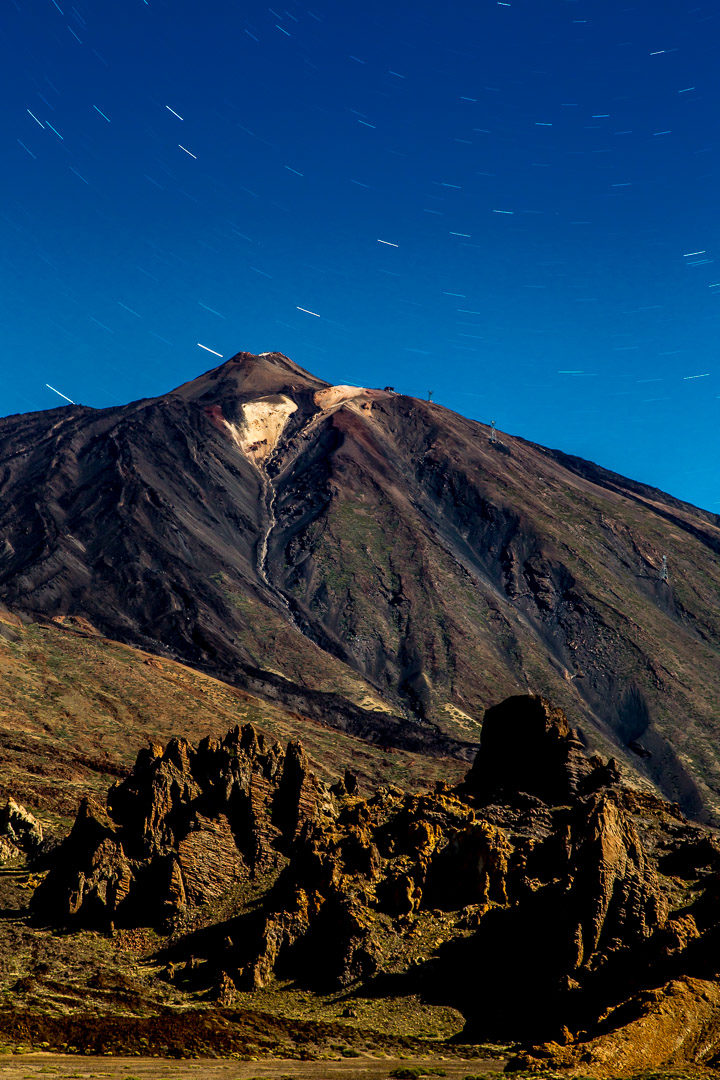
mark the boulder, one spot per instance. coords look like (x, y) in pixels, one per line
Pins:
(528, 746)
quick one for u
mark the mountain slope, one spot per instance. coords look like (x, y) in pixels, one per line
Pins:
(76, 707)
(374, 561)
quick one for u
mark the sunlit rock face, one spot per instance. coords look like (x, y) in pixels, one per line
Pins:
(576, 896)
(188, 824)
(260, 426)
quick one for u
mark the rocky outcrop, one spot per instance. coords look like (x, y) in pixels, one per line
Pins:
(540, 897)
(187, 825)
(615, 895)
(386, 858)
(20, 832)
(672, 1024)
(528, 746)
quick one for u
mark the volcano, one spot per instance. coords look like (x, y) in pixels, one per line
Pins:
(376, 562)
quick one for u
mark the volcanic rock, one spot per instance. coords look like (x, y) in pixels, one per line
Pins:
(185, 826)
(673, 1024)
(528, 746)
(20, 832)
(541, 897)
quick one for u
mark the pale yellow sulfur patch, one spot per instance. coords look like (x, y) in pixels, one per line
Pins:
(262, 422)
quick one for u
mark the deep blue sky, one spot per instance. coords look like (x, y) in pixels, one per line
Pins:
(318, 132)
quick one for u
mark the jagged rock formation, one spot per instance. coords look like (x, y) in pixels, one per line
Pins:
(540, 896)
(20, 832)
(183, 829)
(673, 1024)
(382, 859)
(544, 758)
(375, 562)
(550, 874)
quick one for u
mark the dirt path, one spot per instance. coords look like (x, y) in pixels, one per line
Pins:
(73, 1067)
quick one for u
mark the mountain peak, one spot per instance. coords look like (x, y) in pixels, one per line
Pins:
(345, 545)
(250, 375)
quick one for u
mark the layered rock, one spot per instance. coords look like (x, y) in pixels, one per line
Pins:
(20, 832)
(615, 895)
(187, 825)
(528, 746)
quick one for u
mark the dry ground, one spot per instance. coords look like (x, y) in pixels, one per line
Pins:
(65, 1067)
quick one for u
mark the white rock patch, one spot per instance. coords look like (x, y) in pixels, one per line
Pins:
(262, 422)
(335, 395)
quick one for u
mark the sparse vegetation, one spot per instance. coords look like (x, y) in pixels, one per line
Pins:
(84, 721)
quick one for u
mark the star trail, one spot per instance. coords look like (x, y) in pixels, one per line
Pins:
(511, 203)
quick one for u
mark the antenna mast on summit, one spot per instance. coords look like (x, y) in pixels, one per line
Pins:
(493, 432)
(663, 575)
